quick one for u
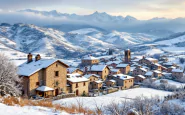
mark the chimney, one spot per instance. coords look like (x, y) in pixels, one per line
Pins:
(29, 58)
(37, 57)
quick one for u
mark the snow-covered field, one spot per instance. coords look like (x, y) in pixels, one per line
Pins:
(28, 110)
(171, 82)
(116, 97)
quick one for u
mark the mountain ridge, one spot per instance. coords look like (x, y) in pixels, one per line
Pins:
(30, 38)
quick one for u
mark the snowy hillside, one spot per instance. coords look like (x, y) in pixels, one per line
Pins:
(31, 38)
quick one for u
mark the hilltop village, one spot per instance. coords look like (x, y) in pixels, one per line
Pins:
(51, 77)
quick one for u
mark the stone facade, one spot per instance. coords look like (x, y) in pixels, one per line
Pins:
(139, 79)
(109, 83)
(103, 74)
(139, 71)
(46, 77)
(127, 56)
(79, 88)
(125, 84)
(124, 70)
(148, 61)
(89, 61)
(177, 74)
(78, 71)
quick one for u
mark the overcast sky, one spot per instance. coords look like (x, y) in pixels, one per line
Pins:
(141, 9)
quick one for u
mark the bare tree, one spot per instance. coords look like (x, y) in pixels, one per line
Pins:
(9, 79)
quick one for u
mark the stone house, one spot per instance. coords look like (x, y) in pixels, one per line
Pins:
(139, 71)
(78, 84)
(156, 66)
(124, 68)
(113, 63)
(177, 73)
(149, 74)
(168, 64)
(74, 70)
(125, 81)
(94, 81)
(43, 77)
(169, 69)
(97, 84)
(148, 61)
(102, 70)
(139, 78)
(111, 83)
(115, 71)
(89, 60)
(157, 73)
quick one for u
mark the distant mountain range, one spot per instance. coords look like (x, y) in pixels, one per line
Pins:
(30, 38)
(157, 26)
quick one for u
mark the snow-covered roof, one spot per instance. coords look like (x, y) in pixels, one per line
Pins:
(114, 81)
(157, 64)
(122, 65)
(97, 67)
(177, 70)
(168, 63)
(89, 75)
(114, 70)
(151, 59)
(28, 69)
(149, 73)
(76, 77)
(44, 88)
(143, 69)
(141, 76)
(111, 62)
(166, 74)
(99, 81)
(71, 69)
(173, 67)
(90, 58)
(135, 60)
(157, 71)
(132, 68)
(123, 76)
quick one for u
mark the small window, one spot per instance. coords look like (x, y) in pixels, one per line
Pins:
(84, 83)
(56, 65)
(56, 73)
(37, 83)
(76, 85)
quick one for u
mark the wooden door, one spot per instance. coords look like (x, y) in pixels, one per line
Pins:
(76, 92)
(56, 92)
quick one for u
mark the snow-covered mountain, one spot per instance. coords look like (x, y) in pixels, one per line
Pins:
(160, 27)
(51, 42)
(174, 44)
(96, 17)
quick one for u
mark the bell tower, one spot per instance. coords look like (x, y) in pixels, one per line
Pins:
(127, 56)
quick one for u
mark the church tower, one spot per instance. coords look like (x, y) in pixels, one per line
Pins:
(127, 56)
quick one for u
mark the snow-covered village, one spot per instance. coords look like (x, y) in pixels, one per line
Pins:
(92, 57)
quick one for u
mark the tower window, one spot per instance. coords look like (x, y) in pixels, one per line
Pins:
(56, 73)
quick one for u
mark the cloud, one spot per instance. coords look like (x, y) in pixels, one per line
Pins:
(31, 18)
(157, 8)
